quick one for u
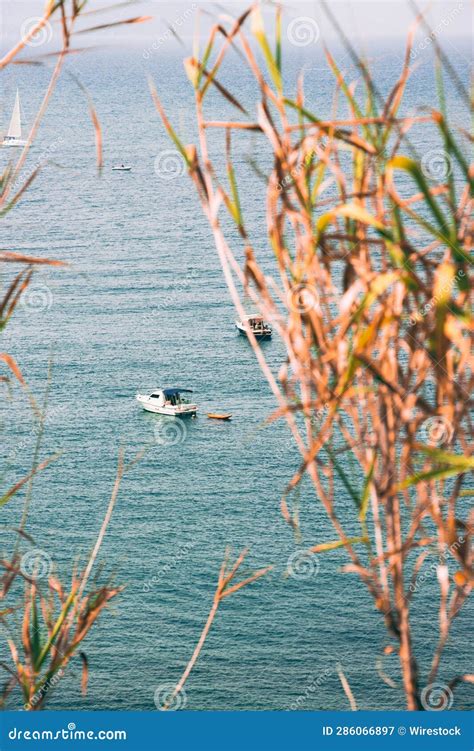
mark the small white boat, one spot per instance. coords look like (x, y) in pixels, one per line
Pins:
(256, 324)
(13, 136)
(168, 402)
(121, 168)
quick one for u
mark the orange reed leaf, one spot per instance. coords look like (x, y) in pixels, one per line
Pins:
(261, 572)
(13, 293)
(137, 19)
(39, 467)
(11, 257)
(25, 39)
(235, 567)
(12, 364)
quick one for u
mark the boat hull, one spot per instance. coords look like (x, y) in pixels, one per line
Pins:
(171, 411)
(18, 144)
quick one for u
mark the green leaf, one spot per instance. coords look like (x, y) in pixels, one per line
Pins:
(205, 59)
(169, 128)
(325, 546)
(442, 104)
(343, 477)
(258, 31)
(237, 210)
(454, 460)
(432, 474)
(366, 492)
(35, 639)
(452, 148)
(344, 87)
(446, 234)
(359, 214)
(413, 168)
(278, 39)
(59, 622)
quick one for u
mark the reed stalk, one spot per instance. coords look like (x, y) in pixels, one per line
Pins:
(370, 295)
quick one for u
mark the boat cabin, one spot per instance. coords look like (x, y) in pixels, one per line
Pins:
(255, 322)
(171, 396)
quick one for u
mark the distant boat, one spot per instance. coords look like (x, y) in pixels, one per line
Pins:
(121, 168)
(168, 402)
(13, 137)
(215, 416)
(255, 322)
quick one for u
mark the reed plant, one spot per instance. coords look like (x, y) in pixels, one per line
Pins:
(369, 294)
(45, 620)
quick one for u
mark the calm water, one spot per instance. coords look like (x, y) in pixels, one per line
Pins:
(144, 304)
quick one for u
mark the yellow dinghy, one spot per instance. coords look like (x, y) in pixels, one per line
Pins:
(214, 416)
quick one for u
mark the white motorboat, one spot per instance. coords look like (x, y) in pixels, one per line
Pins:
(168, 402)
(13, 136)
(121, 168)
(256, 324)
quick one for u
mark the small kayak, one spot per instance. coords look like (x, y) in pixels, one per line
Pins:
(214, 416)
(121, 168)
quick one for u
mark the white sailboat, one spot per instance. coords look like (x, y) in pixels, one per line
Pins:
(13, 137)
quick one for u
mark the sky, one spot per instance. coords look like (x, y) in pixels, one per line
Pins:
(362, 20)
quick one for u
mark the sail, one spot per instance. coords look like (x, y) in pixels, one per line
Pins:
(14, 130)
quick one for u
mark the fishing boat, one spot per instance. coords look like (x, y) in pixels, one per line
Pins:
(256, 324)
(215, 416)
(121, 168)
(168, 402)
(13, 136)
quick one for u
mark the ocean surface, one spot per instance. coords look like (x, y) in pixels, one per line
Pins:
(143, 305)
